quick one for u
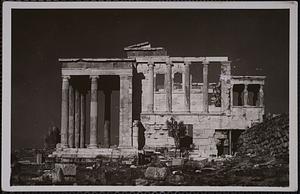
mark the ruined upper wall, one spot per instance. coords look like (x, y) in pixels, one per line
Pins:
(144, 50)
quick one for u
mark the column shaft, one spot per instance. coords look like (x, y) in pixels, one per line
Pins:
(93, 112)
(205, 87)
(150, 106)
(261, 95)
(186, 87)
(71, 116)
(77, 118)
(82, 120)
(168, 86)
(64, 111)
(245, 95)
(106, 133)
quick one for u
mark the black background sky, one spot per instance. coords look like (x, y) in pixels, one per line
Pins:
(256, 41)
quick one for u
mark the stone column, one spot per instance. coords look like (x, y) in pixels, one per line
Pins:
(71, 116)
(150, 106)
(77, 118)
(125, 129)
(245, 95)
(64, 111)
(106, 133)
(225, 85)
(82, 120)
(186, 86)
(93, 111)
(168, 86)
(205, 86)
(261, 95)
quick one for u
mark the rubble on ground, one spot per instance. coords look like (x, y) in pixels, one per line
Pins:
(262, 160)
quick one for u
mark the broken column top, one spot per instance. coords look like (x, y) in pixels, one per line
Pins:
(143, 50)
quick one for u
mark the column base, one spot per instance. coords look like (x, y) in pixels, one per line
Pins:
(64, 146)
(92, 146)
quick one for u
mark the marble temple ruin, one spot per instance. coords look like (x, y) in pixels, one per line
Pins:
(153, 87)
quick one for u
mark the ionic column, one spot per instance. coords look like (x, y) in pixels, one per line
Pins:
(64, 111)
(186, 86)
(150, 106)
(106, 134)
(71, 116)
(168, 87)
(93, 112)
(82, 120)
(205, 86)
(261, 95)
(77, 118)
(245, 95)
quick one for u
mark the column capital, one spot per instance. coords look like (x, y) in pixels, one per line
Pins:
(125, 76)
(187, 62)
(226, 62)
(151, 63)
(246, 86)
(93, 77)
(205, 62)
(261, 87)
(65, 77)
(169, 65)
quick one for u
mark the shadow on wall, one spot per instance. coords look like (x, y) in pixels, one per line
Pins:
(137, 94)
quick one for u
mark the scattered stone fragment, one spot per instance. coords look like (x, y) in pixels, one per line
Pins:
(156, 173)
(141, 182)
(177, 161)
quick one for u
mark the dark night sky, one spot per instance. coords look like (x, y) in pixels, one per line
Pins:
(257, 42)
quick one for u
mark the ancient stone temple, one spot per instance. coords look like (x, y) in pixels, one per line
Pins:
(151, 87)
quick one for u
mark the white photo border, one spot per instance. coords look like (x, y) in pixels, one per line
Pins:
(6, 88)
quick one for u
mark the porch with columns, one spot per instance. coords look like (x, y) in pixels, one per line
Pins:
(186, 83)
(73, 113)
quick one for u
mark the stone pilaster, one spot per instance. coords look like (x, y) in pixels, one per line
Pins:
(64, 111)
(261, 95)
(82, 120)
(205, 86)
(150, 105)
(77, 118)
(125, 129)
(168, 86)
(71, 117)
(93, 111)
(225, 86)
(245, 95)
(186, 86)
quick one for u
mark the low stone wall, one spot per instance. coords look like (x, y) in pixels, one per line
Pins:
(269, 139)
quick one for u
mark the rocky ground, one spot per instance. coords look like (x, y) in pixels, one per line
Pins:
(261, 160)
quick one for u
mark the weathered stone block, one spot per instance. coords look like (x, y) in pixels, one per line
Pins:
(156, 173)
(175, 179)
(68, 169)
(177, 161)
(57, 176)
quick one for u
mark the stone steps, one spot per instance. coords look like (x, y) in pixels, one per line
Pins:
(94, 152)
